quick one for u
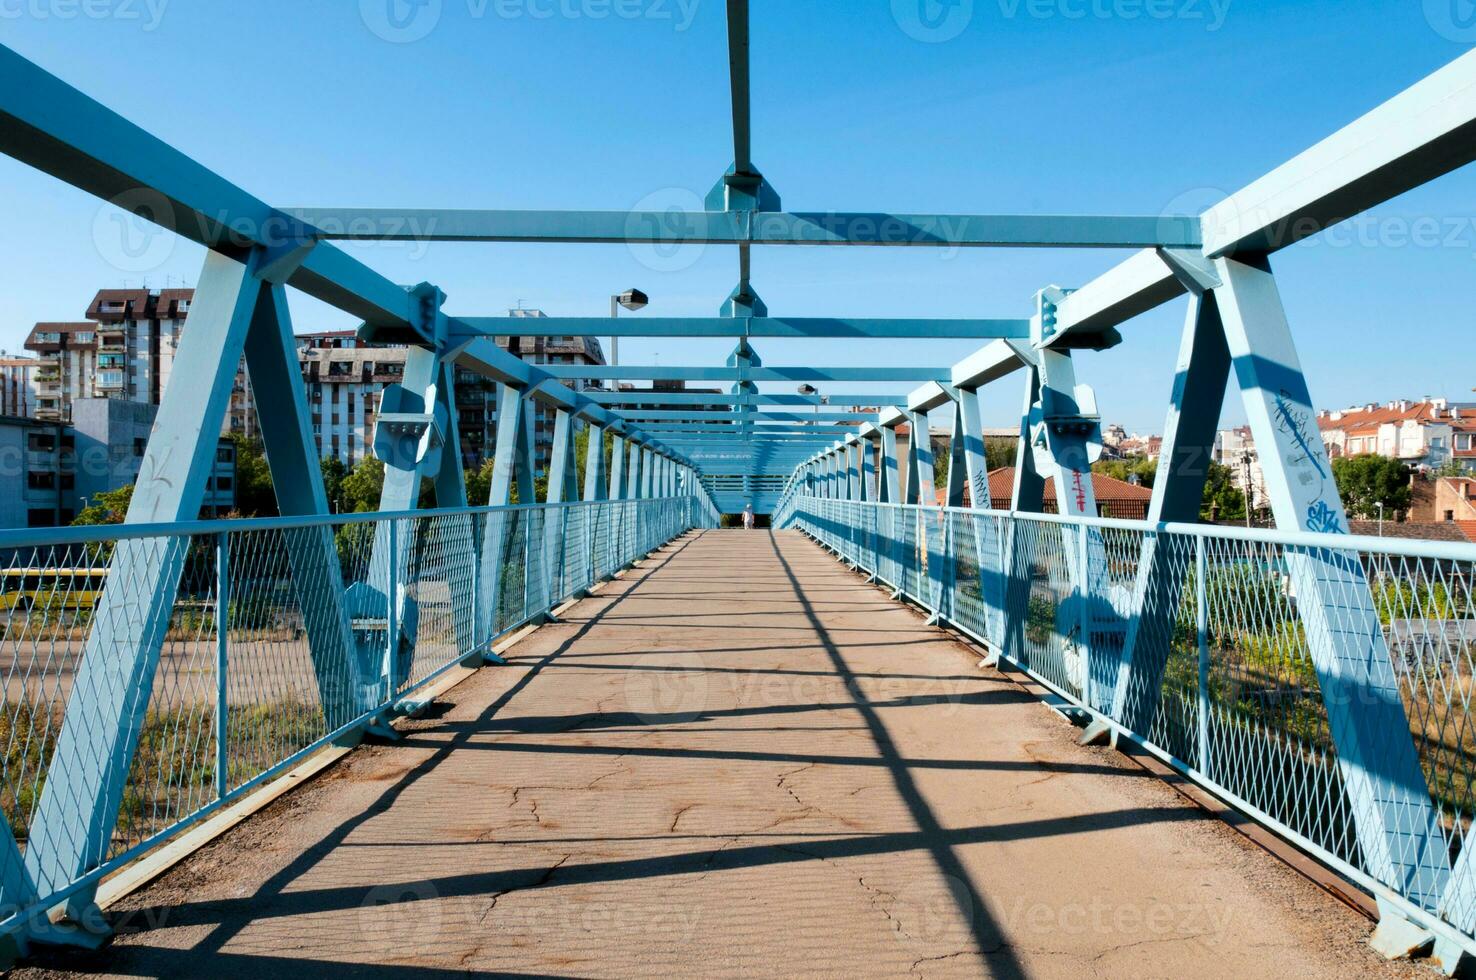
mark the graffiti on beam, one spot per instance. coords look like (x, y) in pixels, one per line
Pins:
(1305, 457)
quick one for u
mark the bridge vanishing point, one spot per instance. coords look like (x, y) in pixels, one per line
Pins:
(584, 731)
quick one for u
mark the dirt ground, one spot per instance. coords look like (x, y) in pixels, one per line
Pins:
(738, 760)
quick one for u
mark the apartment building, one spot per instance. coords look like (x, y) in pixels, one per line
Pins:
(50, 471)
(344, 379)
(1236, 450)
(19, 390)
(1428, 433)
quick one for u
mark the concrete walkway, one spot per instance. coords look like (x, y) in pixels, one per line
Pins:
(738, 760)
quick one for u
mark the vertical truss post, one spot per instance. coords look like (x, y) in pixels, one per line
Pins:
(891, 493)
(617, 468)
(562, 487)
(968, 427)
(1398, 827)
(73, 827)
(1027, 496)
(633, 491)
(409, 434)
(595, 487)
(931, 523)
(512, 460)
(616, 529)
(285, 423)
(866, 449)
(1200, 379)
(1067, 439)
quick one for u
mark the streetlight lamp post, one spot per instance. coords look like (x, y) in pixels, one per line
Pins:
(809, 391)
(1380, 505)
(1250, 489)
(631, 299)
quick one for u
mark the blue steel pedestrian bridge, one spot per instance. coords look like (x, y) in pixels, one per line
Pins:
(705, 716)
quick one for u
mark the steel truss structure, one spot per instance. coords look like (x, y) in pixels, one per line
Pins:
(717, 452)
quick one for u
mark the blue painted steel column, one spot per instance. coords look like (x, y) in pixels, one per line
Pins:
(511, 459)
(617, 468)
(595, 487)
(931, 522)
(562, 487)
(1027, 496)
(989, 549)
(1066, 437)
(1398, 827)
(1200, 379)
(285, 423)
(408, 435)
(72, 830)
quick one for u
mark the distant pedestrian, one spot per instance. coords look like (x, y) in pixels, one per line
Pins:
(748, 517)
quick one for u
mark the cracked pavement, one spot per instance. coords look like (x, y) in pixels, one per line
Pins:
(737, 760)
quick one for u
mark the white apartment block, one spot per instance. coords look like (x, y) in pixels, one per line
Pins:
(1428, 433)
(19, 391)
(344, 381)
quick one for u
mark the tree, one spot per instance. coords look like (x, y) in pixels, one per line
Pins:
(1000, 453)
(362, 487)
(107, 507)
(1146, 470)
(1222, 500)
(1364, 482)
(255, 495)
(334, 473)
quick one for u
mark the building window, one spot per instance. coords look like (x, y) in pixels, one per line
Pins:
(41, 442)
(225, 454)
(139, 445)
(40, 517)
(223, 483)
(41, 481)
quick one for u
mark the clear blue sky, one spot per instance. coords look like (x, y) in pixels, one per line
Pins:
(1027, 109)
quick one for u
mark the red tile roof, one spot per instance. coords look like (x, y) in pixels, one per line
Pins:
(1115, 498)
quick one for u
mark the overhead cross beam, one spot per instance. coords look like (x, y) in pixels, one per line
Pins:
(834, 328)
(678, 227)
(1424, 132)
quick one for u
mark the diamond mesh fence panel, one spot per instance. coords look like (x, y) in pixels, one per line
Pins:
(148, 680)
(1323, 685)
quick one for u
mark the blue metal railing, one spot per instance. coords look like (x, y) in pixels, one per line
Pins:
(283, 635)
(1206, 645)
